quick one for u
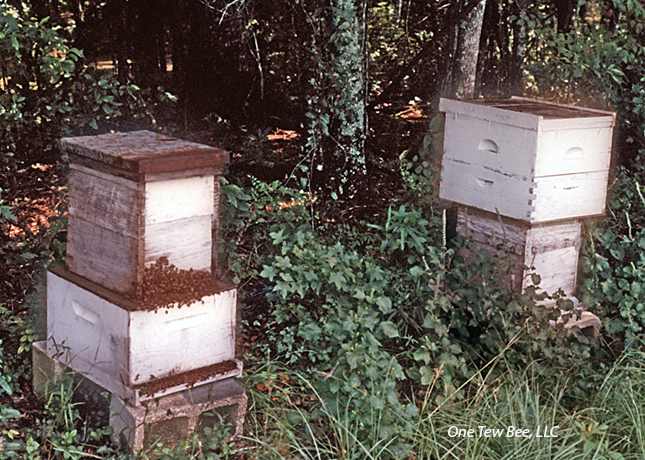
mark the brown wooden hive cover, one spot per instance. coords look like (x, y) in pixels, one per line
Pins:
(145, 152)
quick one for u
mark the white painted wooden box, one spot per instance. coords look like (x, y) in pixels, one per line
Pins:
(530, 160)
(122, 347)
(135, 197)
(552, 248)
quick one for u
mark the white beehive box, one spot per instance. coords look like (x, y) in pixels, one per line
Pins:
(530, 160)
(552, 249)
(122, 347)
(135, 197)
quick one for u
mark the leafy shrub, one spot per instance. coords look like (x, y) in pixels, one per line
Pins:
(421, 166)
(399, 307)
(614, 262)
(331, 309)
(47, 91)
(619, 279)
(247, 220)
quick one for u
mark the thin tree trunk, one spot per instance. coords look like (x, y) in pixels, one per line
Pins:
(467, 52)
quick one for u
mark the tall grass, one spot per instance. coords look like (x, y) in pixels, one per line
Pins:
(517, 401)
(620, 403)
(290, 420)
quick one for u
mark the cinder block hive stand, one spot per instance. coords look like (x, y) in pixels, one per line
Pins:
(135, 198)
(527, 171)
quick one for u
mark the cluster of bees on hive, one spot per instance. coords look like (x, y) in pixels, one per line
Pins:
(166, 285)
(191, 377)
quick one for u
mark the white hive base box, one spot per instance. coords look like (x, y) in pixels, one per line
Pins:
(529, 160)
(134, 396)
(553, 249)
(129, 350)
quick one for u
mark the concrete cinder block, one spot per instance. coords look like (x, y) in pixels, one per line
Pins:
(171, 419)
(46, 369)
(168, 419)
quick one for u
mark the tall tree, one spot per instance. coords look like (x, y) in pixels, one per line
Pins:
(502, 48)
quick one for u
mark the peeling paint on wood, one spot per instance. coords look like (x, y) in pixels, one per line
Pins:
(553, 249)
(529, 160)
(136, 197)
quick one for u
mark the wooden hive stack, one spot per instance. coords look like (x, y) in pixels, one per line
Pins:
(140, 200)
(527, 171)
(135, 197)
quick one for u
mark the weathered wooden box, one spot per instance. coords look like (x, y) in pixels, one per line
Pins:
(139, 196)
(552, 248)
(136, 352)
(530, 160)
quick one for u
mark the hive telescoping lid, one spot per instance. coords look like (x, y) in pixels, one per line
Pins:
(542, 109)
(145, 152)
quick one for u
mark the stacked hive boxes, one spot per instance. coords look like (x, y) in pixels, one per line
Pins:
(527, 171)
(135, 200)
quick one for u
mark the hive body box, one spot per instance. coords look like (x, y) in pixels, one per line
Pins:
(552, 249)
(132, 197)
(122, 347)
(529, 160)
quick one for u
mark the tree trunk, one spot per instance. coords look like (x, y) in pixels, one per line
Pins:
(465, 64)
(462, 74)
(146, 18)
(349, 97)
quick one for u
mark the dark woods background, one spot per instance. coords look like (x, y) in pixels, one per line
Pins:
(253, 61)
(355, 82)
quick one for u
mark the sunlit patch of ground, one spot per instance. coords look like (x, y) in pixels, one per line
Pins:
(283, 135)
(37, 204)
(412, 114)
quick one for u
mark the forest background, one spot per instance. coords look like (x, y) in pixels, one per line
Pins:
(332, 224)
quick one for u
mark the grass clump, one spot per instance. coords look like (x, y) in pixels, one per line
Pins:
(288, 418)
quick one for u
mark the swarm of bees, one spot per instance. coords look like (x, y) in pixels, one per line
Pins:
(190, 378)
(165, 285)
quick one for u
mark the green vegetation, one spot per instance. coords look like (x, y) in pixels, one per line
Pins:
(367, 334)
